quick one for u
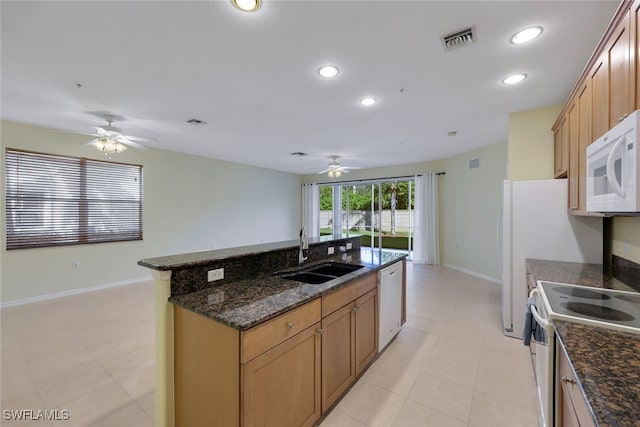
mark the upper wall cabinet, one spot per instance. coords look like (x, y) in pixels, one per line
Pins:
(606, 92)
(618, 53)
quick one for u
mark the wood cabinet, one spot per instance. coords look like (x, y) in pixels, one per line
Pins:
(618, 53)
(580, 137)
(570, 400)
(607, 91)
(224, 377)
(572, 147)
(561, 149)
(349, 336)
(285, 372)
(282, 386)
(598, 81)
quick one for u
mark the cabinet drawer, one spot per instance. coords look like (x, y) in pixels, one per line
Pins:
(348, 293)
(571, 390)
(261, 338)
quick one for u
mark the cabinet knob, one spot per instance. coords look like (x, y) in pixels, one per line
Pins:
(320, 331)
(354, 309)
(568, 380)
(624, 116)
(290, 325)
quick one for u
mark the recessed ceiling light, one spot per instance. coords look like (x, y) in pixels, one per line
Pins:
(328, 71)
(368, 101)
(246, 5)
(514, 78)
(526, 35)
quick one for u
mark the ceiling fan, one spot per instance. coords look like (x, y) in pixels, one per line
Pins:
(335, 169)
(110, 139)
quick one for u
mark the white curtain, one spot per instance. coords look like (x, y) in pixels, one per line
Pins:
(311, 209)
(426, 245)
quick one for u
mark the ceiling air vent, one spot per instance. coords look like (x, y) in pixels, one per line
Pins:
(459, 39)
(196, 122)
(474, 163)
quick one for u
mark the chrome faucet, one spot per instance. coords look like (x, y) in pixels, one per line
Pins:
(303, 248)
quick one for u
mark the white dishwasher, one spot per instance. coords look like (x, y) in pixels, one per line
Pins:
(389, 303)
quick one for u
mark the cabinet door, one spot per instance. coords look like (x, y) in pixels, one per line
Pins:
(281, 387)
(561, 149)
(557, 151)
(618, 52)
(598, 80)
(573, 173)
(584, 139)
(366, 329)
(338, 354)
(574, 406)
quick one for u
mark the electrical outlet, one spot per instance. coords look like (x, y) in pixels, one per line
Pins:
(626, 246)
(330, 250)
(217, 274)
(349, 245)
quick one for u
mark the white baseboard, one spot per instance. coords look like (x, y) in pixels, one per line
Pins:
(474, 273)
(55, 295)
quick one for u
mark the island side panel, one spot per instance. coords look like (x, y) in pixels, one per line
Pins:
(164, 349)
(207, 371)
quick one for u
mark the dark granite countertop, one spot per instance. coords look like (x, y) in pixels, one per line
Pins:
(245, 303)
(605, 361)
(193, 259)
(575, 273)
(607, 365)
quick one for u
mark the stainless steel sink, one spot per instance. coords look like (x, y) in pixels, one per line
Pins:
(335, 269)
(318, 274)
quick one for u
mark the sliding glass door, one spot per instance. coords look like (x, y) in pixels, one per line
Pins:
(379, 211)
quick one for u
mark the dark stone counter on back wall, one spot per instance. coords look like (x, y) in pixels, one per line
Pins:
(606, 362)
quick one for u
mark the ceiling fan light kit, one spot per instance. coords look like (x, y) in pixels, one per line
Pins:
(110, 139)
(108, 146)
(335, 169)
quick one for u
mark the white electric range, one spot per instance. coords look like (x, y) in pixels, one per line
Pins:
(607, 308)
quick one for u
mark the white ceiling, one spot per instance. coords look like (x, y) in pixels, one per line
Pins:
(253, 78)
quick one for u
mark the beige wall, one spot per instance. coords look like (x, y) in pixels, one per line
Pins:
(469, 200)
(530, 152)
(626, 229)
(190, 204)
(530, 157)
(470, 207)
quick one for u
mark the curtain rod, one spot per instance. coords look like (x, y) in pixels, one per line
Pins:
(393, 178)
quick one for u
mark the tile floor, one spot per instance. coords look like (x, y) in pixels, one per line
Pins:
(93, 355)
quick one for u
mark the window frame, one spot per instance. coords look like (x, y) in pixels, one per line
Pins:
(84, 212)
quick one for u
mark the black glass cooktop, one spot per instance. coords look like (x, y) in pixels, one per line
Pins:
(604, 307)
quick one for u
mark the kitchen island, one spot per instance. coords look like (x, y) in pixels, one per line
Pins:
(605, 362)
(250, 295)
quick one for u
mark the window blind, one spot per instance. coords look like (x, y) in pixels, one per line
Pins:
(55, 200)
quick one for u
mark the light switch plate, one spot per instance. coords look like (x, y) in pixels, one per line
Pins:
(349, 245)
(330, 250)
(217, 274)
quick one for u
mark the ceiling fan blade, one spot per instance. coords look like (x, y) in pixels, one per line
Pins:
(351, 167)
(140, 138)
(324, 171)
(124, 140)
(91, 142)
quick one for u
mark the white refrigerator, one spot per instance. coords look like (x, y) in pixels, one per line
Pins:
(535, 224)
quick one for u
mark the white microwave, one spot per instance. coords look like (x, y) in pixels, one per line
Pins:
(612, 169)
